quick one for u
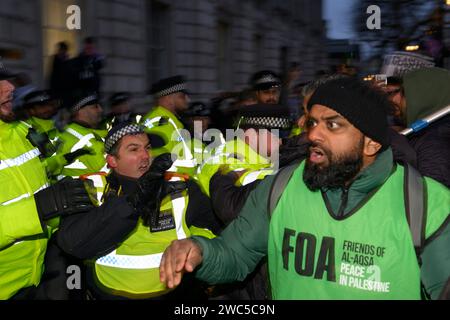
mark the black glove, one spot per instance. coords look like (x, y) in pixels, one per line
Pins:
(150, 184)
(161, 163)
(70, 157)
(152, 188)
(66, 197)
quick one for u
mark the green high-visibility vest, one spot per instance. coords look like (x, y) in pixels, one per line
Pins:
(164, 124)
(368, 254)
(23, 242)
(46, 126)
(76, 137)
(236, 155)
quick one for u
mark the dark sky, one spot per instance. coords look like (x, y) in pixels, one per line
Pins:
(338, 15)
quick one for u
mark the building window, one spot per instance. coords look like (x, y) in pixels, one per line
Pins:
(54, 28)
(158, 36)
(223, 56)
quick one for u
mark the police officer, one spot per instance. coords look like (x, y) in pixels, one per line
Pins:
(248, 156)
(164, 125)
(120, 110)
(267, 86)
(83, 133)
(198, 121)
(142, 210)
(39, 107)
(29, 207)
(198, 116)
(36, 112)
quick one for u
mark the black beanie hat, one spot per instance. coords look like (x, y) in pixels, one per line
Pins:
(363, 106)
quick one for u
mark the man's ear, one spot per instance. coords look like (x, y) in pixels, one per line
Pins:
(371, 147)
(111, 161)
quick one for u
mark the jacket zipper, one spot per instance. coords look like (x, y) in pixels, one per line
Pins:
(344, 200)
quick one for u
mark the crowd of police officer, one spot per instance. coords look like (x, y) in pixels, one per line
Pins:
(109, 193)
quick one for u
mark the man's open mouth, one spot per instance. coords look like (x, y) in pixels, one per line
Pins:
(317, 155)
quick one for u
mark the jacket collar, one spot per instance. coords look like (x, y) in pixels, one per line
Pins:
(366, 181)
(117, 181)
(375, 174)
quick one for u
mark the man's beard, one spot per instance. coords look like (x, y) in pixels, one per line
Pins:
(340, 170)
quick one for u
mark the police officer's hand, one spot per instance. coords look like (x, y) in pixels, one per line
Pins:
(72, 156)
(66, 197)
(161, 163)
(180, 257)
(151, 189)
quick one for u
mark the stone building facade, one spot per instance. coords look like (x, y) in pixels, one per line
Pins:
(216, 44)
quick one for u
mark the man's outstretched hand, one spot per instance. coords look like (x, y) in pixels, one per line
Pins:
(180, 257)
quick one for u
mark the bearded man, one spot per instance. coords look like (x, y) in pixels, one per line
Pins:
(339, 228)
